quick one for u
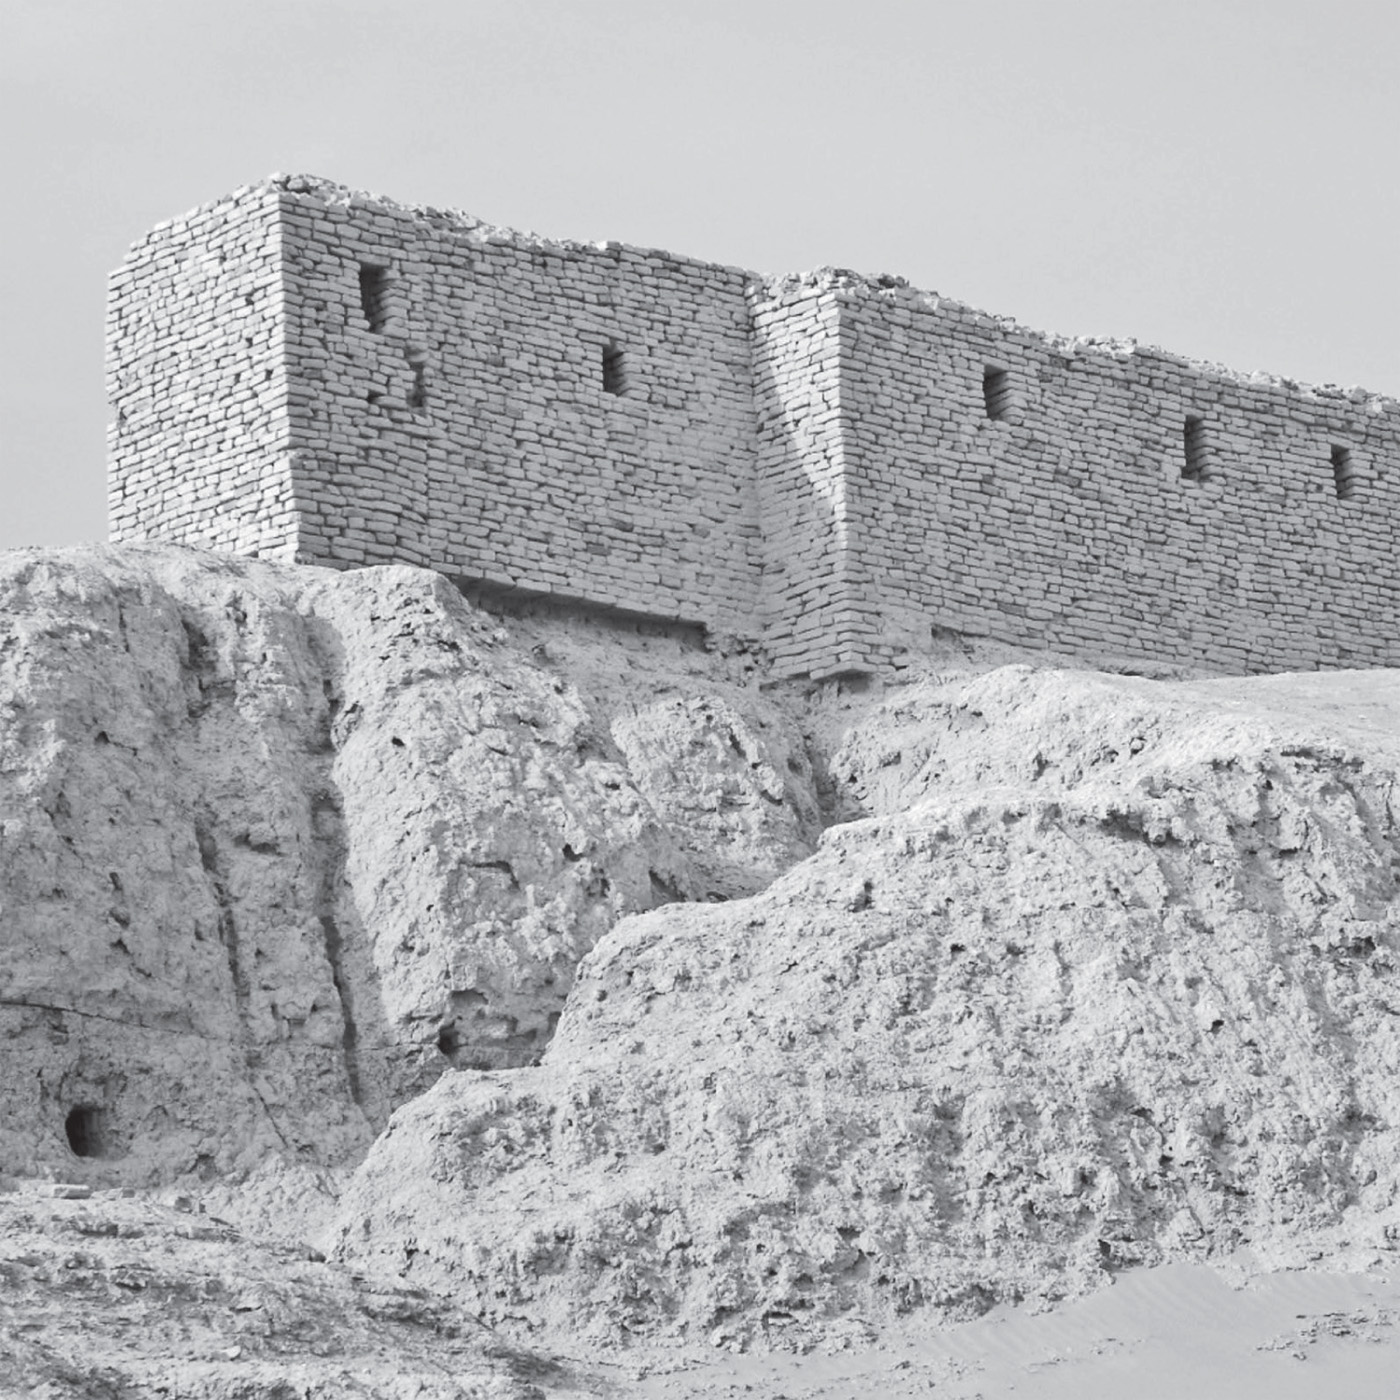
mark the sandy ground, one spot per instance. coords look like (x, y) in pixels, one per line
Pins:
(1182, 1330)
(124, 1291)
(123, 1295)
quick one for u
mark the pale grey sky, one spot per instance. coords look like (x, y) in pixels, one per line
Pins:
(1221, 178)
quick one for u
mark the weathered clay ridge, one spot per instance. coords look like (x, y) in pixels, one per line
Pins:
(1106, 976)
(281, 845)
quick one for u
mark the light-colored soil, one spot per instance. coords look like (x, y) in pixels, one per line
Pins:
(1176, 1332)
(279, 846)
(1108, 976)
(127, 1296)
(121, 1296)
(1011, 1030)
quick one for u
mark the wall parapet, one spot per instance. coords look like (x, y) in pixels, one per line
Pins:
(842, 465)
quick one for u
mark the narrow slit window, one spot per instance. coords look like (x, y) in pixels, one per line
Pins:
(996, 392)
(1343, 472)
(418, 363)
(374, 295)
(614, 369)
(1195, 465)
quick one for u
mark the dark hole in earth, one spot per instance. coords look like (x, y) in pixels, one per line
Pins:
(84, 1128)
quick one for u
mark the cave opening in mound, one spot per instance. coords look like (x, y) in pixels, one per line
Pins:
(86, 1131)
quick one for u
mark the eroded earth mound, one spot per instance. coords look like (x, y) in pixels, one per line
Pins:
(1106, 975)
(669, 1006)
(279, 845)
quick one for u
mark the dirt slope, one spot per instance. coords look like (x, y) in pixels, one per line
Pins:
(279, 845)
(119, 1297)
(1086, 972)
(1108, 975)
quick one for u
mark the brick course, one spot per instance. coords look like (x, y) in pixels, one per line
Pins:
(303, 372)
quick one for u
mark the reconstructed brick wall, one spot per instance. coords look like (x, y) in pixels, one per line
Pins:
(1069, 523)
(200, 440)
(470, 428)
(843, 465)
(816, 622)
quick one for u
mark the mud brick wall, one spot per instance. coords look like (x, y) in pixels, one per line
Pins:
(1045, 492)
(199, 444)
(566, 419)
(840, 465)
(814, 621)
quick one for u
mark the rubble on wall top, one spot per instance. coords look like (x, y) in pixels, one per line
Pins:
(883, 285)
(889, 287)
(477, 229)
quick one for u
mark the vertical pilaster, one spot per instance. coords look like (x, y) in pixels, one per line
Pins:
(817, 619)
